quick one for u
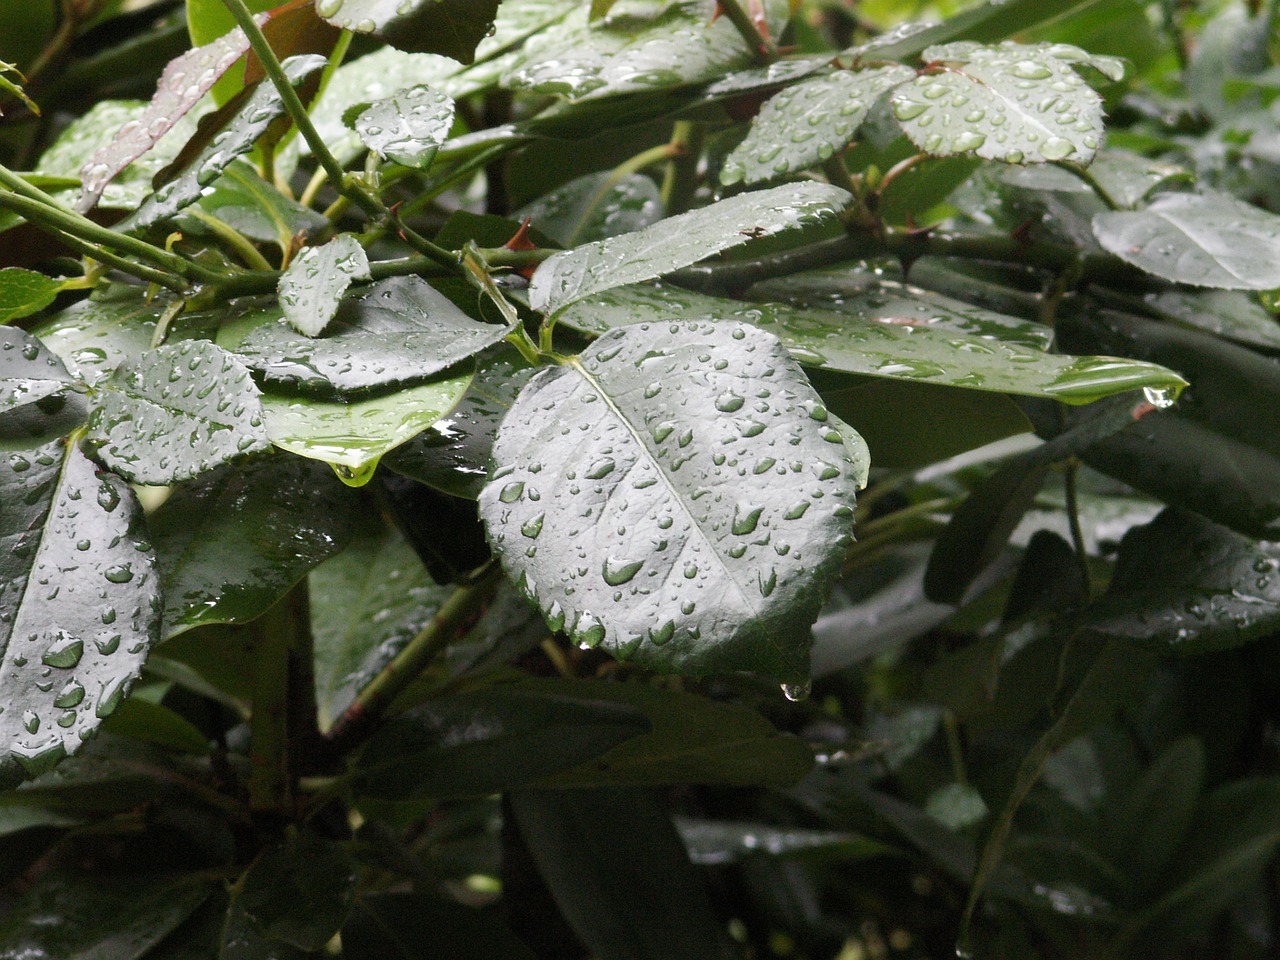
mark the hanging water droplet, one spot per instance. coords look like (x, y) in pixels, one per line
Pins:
(1159, 397)
(795, 692)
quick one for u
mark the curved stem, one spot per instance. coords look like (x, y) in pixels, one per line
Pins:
(234, 238)
(1085, 175)
(762, 45)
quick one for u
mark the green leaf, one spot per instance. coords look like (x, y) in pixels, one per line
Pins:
(249, 122)
(183, 83)
(29, 371)
(673, 45)
(353, 435)
(407, 128)
(392, 926)
(392, 334)
(680, 241)
(453, 455)
(156, 724)
(919, 354)
(449, 27)
(809, 122)
(298, 893)
(81, 601)
(486, 741)
(312, 287)
(1204, 240)
(595, 207)
(636, 500)
(96, 335)
(619, 872)
(90, 916)
(23, 292)
(232, 543)
(248, 204)
(176, 412)
(692, 740)
(1215, 590)
(714, 843)
(366, 604)
(1016, 103)
(1228, 313)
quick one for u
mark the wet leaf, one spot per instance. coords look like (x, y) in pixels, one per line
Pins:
(595, 207)
(1191, 586)
(635, 500)
(80, 604)
(692, 740)
(28, 369)
(232, 543)
(453, 455)
(390, 926)
(245, 202)
(918, 354)
(144, 720)
(713, 843)
(449, 27)
(176, 412)
(1013, 102)
(1228, 313)
(395, 333)
(312, 287)
(407, 128)
(680, 241)
(298, 893)
(809, 122)
(235, 139)
(96, 335)
(619, 872)
(23, 292)
(1205, 240)
(486, 741)
(92, 916)
(182, 84)
(353, 435)
(677, 45)
(366, 604)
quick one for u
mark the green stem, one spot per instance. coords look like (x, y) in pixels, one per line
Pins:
(858, 216)
(764, 49)
(680, 182)
(457, 615)
(1085, 175)
(234, 238)
(132, 267)
(1077, 534)
(465, 168)
(275, 635)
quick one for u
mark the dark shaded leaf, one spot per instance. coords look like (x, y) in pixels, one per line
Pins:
(713, 843)
(398, 926)
(596, 207)
(395, 333)
(636, 501)
(1228, 313)
(298, 893)
(407, 128)
(449, 27)
(29, 371)
(312, 287)
(143, 720)
(680, 241)
(487, 741)
(80, 601)
(176, 412)
(619, 872)
(245, 202)
(23, 292)
(232, 542)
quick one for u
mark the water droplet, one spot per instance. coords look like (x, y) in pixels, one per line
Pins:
(1056, 148)
(1031, 70)
(70, 695)
(601, 469)
(795, 692)
(31, 721)
(728, 402)
(745, 518)
(511, 492)
(908, 109)
(661, 634)
(1159, 397)
(65, 652)
(617, 572)
(531, 528)
(120, 573)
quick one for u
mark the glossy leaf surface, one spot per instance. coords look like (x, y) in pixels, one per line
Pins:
(407, 128)
(176, 412)
(312, 287)
(809, 122)
(595, 207)
(736, 519)
(486, 741)
(1020, 104)
(297, 893)
(394, 333)
(96, 335)
(81, 602)
(232, 542)
(23, 292)
(713, 843)
(1215, 589)
(1205, 240)
(1230, 314)
(247, 203)
(28, 369)
(680, 241)
(449, 27)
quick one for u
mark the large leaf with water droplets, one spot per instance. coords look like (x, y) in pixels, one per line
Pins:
(352, 435)
(96, 335)
(1229, 313)
(311, 288)
(249, 122)
(79, 604)
(395, 333)
(1215, 589)
(453, 456)
(636, 49)
(407, 128)
(881, 347)
(449, 27)
(680, 241)
(1020, 104)
(675, 495)
(1205, 240)
(232, 543)
(176, 412)
(805, 124)
(28, 369)
(595, 207)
